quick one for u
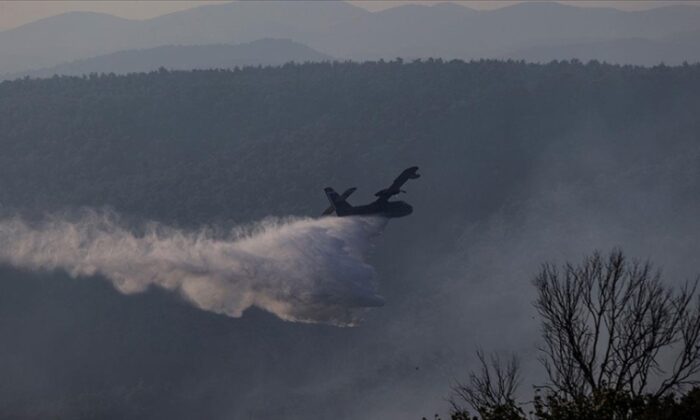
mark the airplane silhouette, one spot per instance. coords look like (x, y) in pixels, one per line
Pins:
(379, 207)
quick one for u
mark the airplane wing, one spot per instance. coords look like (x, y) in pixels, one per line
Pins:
(342, 197)
(395, 187)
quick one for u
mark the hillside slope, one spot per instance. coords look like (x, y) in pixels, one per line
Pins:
(521, 164)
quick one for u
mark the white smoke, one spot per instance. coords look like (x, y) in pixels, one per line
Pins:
(307, 270)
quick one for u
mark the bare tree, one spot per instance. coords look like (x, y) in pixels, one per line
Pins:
(611, 324)
(491, 390)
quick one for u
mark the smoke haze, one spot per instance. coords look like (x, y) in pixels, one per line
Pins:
(523, 164)
(304, 270)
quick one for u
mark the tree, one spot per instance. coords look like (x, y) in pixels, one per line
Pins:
(618, 344)
(608, 324)
(490, 391)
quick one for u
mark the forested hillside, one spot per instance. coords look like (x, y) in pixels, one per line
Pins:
(192, 146)
(520, 163)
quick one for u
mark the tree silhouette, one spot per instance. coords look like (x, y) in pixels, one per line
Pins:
(618, 344)
(609, 323)
(490, 391)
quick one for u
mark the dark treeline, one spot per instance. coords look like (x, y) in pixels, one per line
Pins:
(218, 148)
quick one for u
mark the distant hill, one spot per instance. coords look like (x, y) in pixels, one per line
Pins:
(78, 35)
(345, 31)
(672, 50)
(187, 57)
(452, 31)
(65, 37)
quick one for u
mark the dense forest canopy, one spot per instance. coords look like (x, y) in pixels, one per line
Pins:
(553, 159)
(192, 146)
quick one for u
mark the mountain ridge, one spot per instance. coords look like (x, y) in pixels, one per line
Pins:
(342, 30)
(267, 51)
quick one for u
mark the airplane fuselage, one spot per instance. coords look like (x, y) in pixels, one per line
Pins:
(389, 209)
(380, 207)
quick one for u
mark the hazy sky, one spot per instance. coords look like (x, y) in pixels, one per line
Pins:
(15, 13)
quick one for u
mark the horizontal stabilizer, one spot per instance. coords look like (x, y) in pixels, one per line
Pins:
(338, 203)
(343, 196)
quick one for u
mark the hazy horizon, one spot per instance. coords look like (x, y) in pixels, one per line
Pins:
(14, 13)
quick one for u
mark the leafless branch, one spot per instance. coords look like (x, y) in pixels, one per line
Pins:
(492, 386)
(606, 322)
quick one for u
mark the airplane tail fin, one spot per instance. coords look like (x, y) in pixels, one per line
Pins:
(338, 203)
